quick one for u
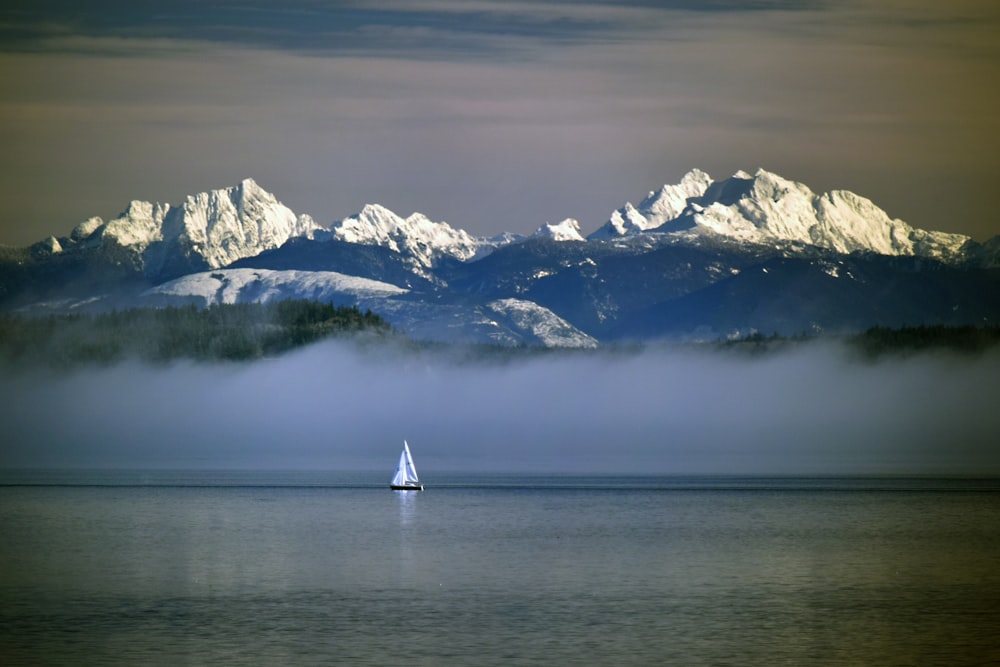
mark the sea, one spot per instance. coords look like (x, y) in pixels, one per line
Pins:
(326, 568)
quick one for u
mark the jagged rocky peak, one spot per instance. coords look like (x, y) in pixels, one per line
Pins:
(658, 207)
(374, 224)
(670, 200)
(765, 207)
(47, 247)
(729, 190)
(137, 227)
(249, 188)
(244, 198)
(567, 230)
(239, 222)
(213, 229)
(207, 230)
(379, 216)
(416, 236)
(86, 229)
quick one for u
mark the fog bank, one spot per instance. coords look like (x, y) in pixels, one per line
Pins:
(810, 410)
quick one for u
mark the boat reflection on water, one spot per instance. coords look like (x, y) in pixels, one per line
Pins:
(407, 508)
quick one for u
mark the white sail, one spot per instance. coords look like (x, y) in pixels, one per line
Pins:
(399, 478)
(406, 472)
(411, 470)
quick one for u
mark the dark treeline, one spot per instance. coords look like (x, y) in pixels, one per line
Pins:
(228, 332)
(879, 341)
(884, 341)
(242, 332)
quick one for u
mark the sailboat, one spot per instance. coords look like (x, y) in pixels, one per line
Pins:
(406, 478)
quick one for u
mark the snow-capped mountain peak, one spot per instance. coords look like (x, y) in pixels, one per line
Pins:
(238, 222)
(418, 237)
(767, 207)
(372, 225)
(85, 229)
(697, 252)
(658, 207)
(670, 201)
(207, 230)
(567, 230)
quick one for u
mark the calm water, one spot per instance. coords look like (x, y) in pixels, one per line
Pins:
(255, 568)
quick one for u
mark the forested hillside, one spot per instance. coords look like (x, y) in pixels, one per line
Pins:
(231, 332)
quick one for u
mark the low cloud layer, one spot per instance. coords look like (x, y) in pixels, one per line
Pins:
(332, 407)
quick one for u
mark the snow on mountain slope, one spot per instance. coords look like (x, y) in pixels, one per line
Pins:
(216, 228)
(658, 207)
(567, 230)
(261, 285)
(546, 327)
(416, 236)
(208, 230)
(748, 252)
(764, 208)
(506, 322)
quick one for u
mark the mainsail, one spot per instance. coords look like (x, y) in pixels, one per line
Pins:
(406, 472)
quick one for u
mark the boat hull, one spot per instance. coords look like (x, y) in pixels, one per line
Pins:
(406, 487)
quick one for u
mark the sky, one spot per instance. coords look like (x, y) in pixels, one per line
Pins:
(494, 115)
(814, 409)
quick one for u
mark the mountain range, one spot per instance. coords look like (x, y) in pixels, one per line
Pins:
(699, 259)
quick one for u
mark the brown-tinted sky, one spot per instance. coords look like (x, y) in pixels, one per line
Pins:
(494, 116)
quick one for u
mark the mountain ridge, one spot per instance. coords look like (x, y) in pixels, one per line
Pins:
(217, 227)
(697, 258)
(207, 230)
(765, 207)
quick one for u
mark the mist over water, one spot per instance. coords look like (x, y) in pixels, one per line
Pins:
(810, 410)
